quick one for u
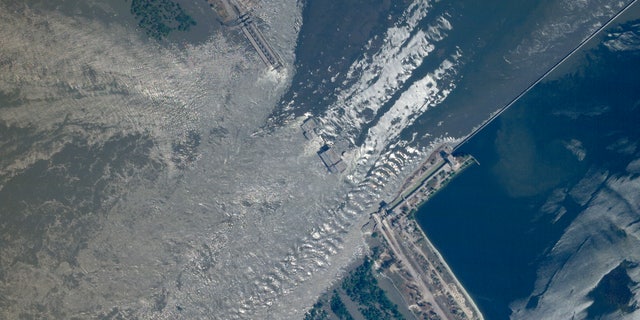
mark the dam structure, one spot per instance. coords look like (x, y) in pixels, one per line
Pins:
(232, 13)
(258, 42)
(417, 270)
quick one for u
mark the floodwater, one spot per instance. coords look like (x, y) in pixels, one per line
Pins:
(171, 180)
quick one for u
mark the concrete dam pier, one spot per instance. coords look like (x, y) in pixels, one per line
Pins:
(232, 13)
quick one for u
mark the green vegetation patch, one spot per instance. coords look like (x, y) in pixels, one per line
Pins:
(362, 287)
(158, 18)
(339, 308)
(316, 313)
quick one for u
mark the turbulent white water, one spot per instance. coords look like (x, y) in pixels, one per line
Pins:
(254, 227)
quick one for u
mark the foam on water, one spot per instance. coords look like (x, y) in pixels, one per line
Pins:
(255, 228)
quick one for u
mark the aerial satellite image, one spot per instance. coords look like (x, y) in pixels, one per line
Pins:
(320, 159)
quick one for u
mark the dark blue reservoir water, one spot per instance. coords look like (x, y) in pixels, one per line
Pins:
(489, 223)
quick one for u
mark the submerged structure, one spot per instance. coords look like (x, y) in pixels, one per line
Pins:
(231, 13)
(329, 154)
(332, 159)
(309, 128)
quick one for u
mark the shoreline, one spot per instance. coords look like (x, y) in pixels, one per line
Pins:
(425, 277)
(453, 275)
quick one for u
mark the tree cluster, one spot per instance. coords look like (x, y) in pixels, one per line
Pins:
(362, 287)
(158, 18)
